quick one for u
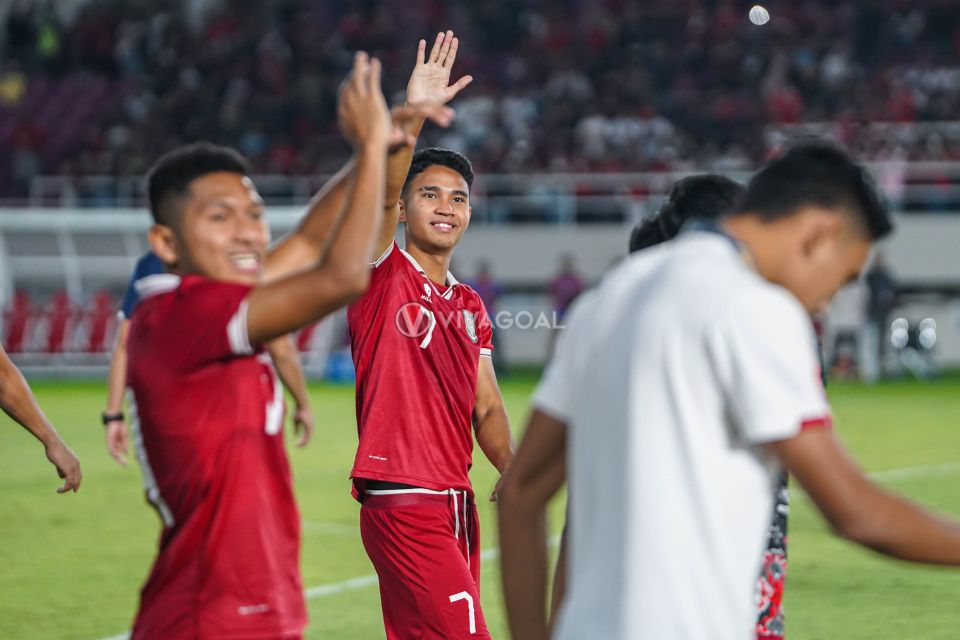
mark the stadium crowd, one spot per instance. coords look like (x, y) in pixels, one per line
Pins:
(616, 85)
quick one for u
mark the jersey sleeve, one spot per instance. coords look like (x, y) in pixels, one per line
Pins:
(484, 330)
(147, 265)
(766, 354)
(558, 389)
(217, 320)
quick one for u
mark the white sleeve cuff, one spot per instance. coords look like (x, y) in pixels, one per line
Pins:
(237, 331)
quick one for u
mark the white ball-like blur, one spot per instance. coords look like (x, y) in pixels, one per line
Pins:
(759, 15)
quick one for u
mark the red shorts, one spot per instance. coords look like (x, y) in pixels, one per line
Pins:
(425, 547)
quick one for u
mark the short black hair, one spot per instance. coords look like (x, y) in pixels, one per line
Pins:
(647, 233)
(172, 174)
(708, 196)
(426, 158)
(817, 173)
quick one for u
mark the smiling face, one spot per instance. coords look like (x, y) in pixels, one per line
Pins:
(220, 231)
(436, 209)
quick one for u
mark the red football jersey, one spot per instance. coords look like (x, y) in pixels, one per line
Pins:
(209, 442)
(416, 348)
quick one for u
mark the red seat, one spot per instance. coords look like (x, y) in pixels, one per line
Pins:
(17, 322)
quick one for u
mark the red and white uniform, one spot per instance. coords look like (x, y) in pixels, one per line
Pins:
(210, 445)
(416, 349)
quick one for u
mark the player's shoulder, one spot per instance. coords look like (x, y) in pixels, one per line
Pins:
(149, 264)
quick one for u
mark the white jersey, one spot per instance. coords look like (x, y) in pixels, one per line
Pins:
(669, 376)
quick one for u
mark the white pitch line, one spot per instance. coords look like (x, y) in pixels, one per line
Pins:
(360, 582)
(926, 470)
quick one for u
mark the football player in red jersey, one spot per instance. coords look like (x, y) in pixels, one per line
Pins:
(425, 386)
(207, 407)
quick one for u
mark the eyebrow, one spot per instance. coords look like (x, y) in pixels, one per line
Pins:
(436, 189)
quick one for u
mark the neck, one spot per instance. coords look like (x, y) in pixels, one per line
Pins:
(763, 252)
(435, 265)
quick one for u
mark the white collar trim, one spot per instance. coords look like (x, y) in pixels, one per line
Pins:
(451, 281)
(156, 284)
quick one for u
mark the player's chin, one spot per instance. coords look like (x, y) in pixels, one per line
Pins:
(234, 275)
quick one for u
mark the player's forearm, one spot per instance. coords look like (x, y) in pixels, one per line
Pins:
(17, 401)
(283, 351)
(293, 302)
(398, 163)
(898, 528)
(352, 249)
(523, 561)
(308, 242)
(494, 437)
(117, 376)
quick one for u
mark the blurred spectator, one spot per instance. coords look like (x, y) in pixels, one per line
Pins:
(565, 286)
(13, 84)
(881, 302)
(614, 85)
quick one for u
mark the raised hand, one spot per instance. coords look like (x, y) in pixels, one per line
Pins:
(362, 110)
(430, 80)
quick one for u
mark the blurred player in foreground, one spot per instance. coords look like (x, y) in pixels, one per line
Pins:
(425, 384)
(283, 353)
(18, 402)
(709, 197)
(209, 407)
(681, 387)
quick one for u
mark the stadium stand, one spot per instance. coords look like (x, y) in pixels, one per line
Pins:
(96, 93)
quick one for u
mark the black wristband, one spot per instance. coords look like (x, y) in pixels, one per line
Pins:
(107, 418)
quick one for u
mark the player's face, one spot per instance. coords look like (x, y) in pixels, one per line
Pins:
(827, 258)
(436, 209)
(223, 233)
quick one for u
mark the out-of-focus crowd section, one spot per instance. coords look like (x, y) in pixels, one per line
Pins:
(102, 87)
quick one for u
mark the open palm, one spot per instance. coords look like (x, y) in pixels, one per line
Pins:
(430, 80)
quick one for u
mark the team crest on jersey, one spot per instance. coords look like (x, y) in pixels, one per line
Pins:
(470, 324)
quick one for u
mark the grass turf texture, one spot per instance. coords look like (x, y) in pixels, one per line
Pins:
(72, 565)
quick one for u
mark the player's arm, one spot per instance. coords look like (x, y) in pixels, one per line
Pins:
(535, 475)
(283, 351)
(117, 435)
(341, 275)
(429, 83)
(308, 242)
(18, 402)
(859, 510)
(490, 421)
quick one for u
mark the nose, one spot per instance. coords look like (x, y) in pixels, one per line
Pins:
(250, 231)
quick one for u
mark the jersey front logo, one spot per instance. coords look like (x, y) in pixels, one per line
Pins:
(470, 325)
(414, 320)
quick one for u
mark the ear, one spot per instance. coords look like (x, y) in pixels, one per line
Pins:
(403, 210)
(163, 242)
(821, 232)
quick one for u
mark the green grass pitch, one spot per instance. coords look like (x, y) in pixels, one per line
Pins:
(71, 566)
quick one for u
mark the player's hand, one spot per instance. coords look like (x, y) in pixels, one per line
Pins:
(303, 425)
(430, 80)
(67, 464)
(404, 116)
(118, 441)
(362, 110)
